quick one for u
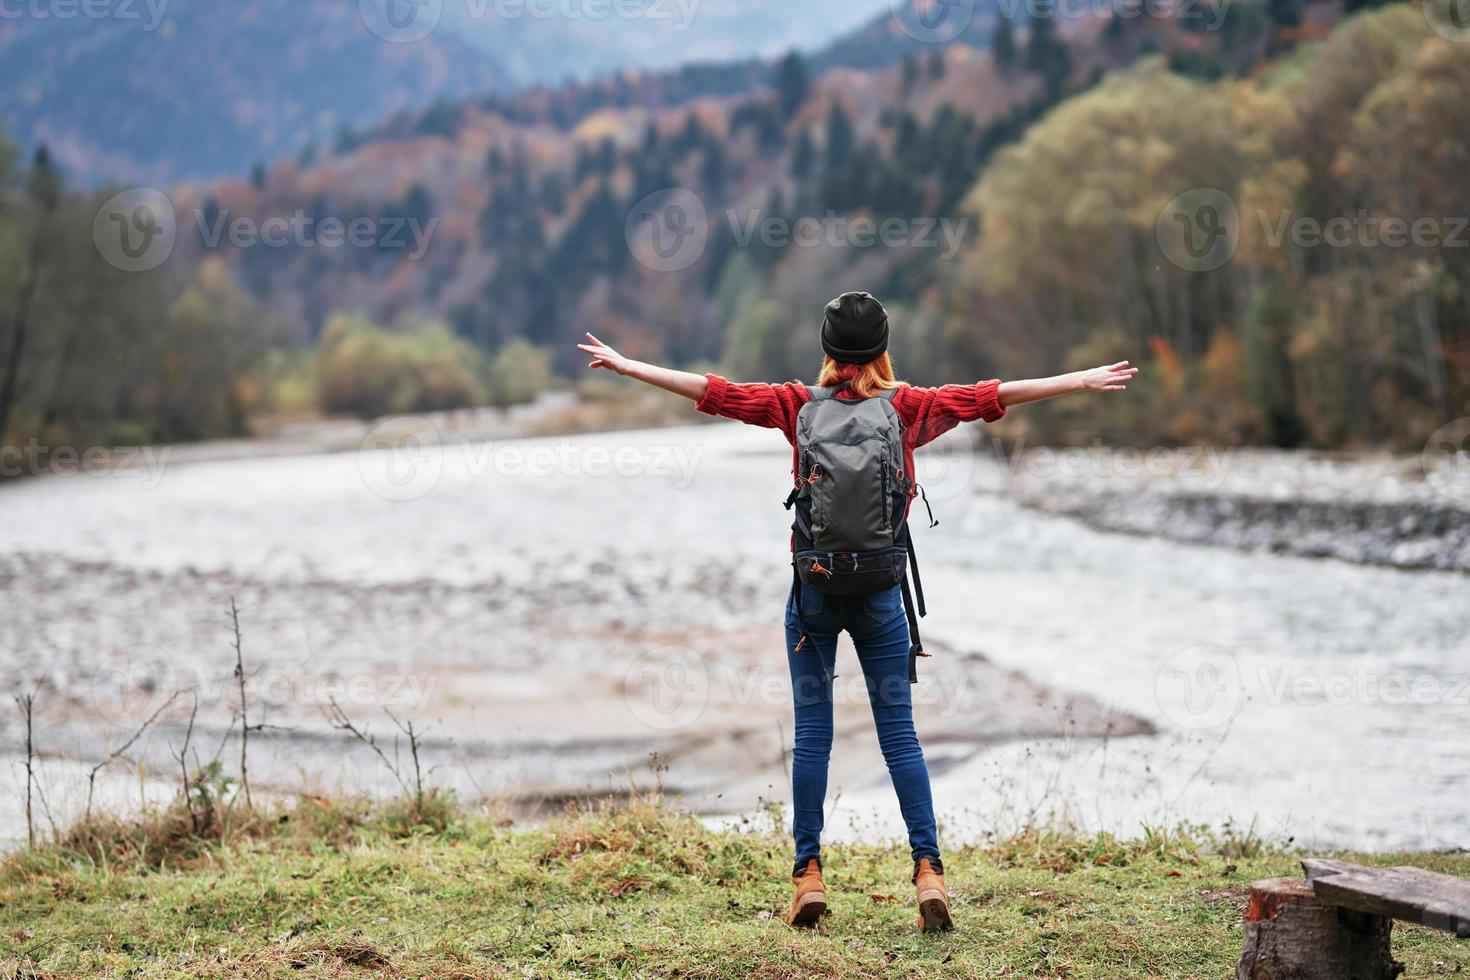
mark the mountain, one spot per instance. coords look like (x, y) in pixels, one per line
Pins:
(576, 46)
(201, 88)
(907, 33)
(155, 91)
(911, 29)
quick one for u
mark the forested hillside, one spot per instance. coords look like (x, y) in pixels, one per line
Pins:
(1339, 317)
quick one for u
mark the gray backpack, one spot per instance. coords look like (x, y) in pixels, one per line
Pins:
(850, 533)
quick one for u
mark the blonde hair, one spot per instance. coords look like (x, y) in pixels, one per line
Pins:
(865, 380)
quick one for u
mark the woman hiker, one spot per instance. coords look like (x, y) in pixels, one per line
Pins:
(854, 434)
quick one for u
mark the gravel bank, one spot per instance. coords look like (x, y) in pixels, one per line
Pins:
(652, 676)
(1379, 510)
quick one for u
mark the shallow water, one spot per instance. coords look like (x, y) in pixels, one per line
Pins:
(1319, 700)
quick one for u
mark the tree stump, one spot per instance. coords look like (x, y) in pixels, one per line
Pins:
(1291, 934)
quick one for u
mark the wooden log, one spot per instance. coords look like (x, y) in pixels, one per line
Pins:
(1292, 934)
(1412, 894)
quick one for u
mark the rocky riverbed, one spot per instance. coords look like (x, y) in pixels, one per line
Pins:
(1403, 512)
(673, 678)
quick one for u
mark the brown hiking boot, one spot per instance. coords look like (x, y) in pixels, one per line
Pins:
(933, 898)
(810, 900)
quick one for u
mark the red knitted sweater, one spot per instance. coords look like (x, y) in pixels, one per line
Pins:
(926, 413)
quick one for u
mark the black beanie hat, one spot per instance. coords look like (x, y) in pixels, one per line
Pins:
(855, 329)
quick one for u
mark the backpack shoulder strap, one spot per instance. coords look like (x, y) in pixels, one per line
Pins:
(887, 394)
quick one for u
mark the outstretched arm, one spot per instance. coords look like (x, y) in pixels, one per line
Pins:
(1114, 377)
(692, 386)
(770, 406)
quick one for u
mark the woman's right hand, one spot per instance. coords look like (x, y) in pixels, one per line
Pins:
(604, 356)
(692, 386)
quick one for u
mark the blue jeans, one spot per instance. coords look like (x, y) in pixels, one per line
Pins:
(880, 632)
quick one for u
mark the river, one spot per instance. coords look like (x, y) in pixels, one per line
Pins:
(530, 586)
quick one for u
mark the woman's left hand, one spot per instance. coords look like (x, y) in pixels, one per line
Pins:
(1114, 377)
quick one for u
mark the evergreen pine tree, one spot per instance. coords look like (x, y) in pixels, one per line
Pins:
(712, 170)
(910, 74)
(803, 156)
(791, 84)
(1003, 45)
(1285, 13)
(43, 183)
(1039, 46)
(839, 137)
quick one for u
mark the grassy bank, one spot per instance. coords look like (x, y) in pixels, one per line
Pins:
(334, 890)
